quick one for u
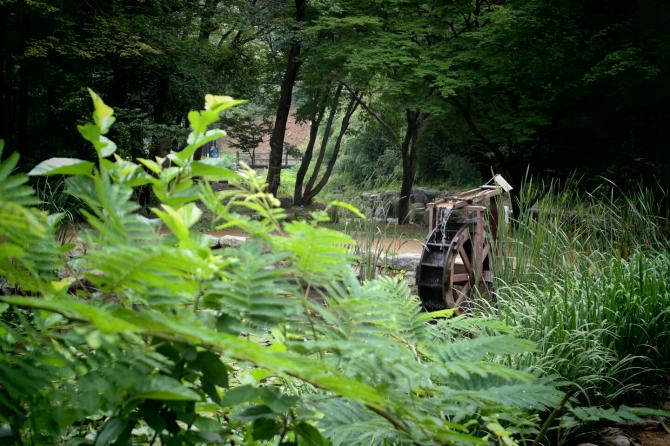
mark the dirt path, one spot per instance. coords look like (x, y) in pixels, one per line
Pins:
(399, 245)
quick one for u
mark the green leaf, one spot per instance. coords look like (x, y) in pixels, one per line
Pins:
(198, 139)
(241, 394)
(111, 431)
(151, 165)
(74, 309)
(210, 389)
(209, 170)
(264, 429)
(310, 435)
(103, 145)
(348, 207)
(200, 121)
(179, 220)
(62, 166)
(501, 433)
(256, 412)
(212, 368)
(161, 387)
(440, 314)
(107, 146)
(102, 113)
(220, 103)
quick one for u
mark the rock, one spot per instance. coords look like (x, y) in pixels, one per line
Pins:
(418, 213)
(619, 440)
(407, 261)
(231, 241)
(586, 444)
(418, 196)
(213, 241)
(421, 195)
(410, 280)
(286, 202)
(400, 262)
(613, 436)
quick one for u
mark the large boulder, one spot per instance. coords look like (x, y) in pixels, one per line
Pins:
(423, 195)
(419, 196)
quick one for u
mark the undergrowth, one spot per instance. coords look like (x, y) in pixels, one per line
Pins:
(155, 338)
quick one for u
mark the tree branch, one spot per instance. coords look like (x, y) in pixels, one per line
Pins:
(389, 129)
(465, 111)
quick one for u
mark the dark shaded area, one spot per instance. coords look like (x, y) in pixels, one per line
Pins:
(152, 61)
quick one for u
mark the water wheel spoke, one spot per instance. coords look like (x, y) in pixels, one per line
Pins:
(462, 277)
(466, 258)
(449, 298)
(462, 294)
(485, 251)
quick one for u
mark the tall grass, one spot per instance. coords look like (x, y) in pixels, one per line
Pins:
(374, 245)
(587, 277)
(556, 223)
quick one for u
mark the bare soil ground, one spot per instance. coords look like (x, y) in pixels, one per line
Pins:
(401, 244)
(655, 437)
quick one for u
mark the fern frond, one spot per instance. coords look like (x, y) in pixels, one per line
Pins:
(158, 274)
(319, 254)
(252, 292)
(29, 253)
(349, 423)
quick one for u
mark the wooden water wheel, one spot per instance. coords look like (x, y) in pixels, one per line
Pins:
(455, 264)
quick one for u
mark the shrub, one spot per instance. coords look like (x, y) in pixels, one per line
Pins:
(369, 159)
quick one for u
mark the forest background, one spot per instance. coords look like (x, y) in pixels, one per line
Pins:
(442, 92)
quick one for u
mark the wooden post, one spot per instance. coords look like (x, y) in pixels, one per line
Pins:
(431, 217)
(478, 249)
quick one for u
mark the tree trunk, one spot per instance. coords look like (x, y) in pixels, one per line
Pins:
(4, 90)
(207, 23)
(408, 150)
(307, 156)
(23, 115)
(344, 126)
(324, 140)
(284, 107)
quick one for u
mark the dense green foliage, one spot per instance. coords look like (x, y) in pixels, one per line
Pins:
(153, 60)
(502, 85)
(148, 335)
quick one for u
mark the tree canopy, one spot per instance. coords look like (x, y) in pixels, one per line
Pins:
(551, 87)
